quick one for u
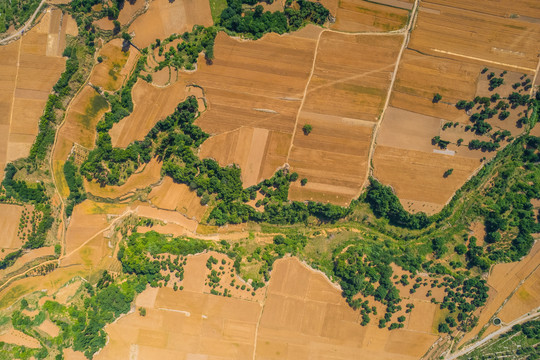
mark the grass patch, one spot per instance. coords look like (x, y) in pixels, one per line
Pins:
(217, 7)
(97, 103)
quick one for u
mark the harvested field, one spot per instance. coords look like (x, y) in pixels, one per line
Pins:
(9, 221)
(151, 104)
(333, 157)
(360, 15)
(478, 37)
(421, 318)
(17, 337)
(167, 216)
(165, 17)
(116, 65)
(145, 176)
(49, 328)
(198, 326)
(503, 280)
(252, 117)
(29, 67)
(258, 152)
(305, 317)
(420, 76)
(524, 300)
(504, 8)
(85, 223)
(178, 197)
(417, 176)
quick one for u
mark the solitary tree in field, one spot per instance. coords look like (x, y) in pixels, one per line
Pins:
(307, 129)
(448, 172)
(437, 97)
(303, 181)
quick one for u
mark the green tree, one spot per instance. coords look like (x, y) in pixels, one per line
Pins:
(307, 129)
(448, 172)
(437, 97)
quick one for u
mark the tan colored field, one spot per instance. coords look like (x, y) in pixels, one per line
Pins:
(145, 176)
(258, 152)
(344, 99)
(478, 37)
(19, 338)
(178, 197)
(116, 65)
(49, 328)
(9, 221)
(420, 76)
(86, 222)
(151, 104)
(168, 217)
(252, 117)
(360, 15)
(524, 300)
(29, 67)
(304, 316)
(503, 280)
(165, 17)
(417, 176)
(504, 8)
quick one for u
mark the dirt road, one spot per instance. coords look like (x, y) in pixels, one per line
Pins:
(529, 316)
(24, 28)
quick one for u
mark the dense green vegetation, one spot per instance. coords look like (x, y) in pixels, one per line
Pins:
(75, 184)
(16, 13)
(255, 22)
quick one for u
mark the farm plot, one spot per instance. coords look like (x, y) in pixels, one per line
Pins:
(29, 67)
(9, 221)
(165, 17)
(478, 37)
(344, 99)
(198, 326)
(505, 8)
(305, 317)
(116, 65)
(417, 176)
(360, 15)
(253, 100)
(179, 197)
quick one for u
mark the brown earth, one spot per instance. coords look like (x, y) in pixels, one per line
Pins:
(333, 157)
(49, 328)
(29, 68)
(304, 316)
(418, 176)
(9, 221)
(504, 8)
(478, 37)
(165, 17)
(359, 15)
(19, 338)
(178, 197)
